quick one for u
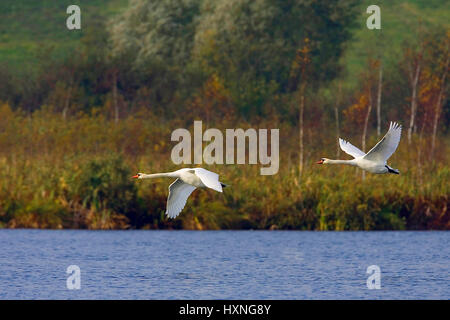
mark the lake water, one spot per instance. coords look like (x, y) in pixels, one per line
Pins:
(223, 264)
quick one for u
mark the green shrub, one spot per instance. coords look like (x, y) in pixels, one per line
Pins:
(104, 185)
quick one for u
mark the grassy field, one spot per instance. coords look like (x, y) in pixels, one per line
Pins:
(401, 22)
(28, 27)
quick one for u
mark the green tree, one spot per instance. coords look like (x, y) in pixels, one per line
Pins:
(157, 36)
(252, 43)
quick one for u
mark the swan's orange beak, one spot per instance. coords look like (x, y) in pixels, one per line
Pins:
(135, 177)
(319, 162)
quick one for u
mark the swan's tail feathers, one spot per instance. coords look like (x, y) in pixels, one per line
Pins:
(392, 170)
(224, 185)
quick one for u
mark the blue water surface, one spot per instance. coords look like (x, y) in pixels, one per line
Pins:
(223, 264)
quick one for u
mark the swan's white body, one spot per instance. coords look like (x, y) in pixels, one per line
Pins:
(188, 179)
(375, 160)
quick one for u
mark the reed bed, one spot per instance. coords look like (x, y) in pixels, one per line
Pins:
(77, 174)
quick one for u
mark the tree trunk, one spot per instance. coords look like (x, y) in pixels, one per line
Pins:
(438, 107)
(366, 123)
(419, 150)
(414, 83)
(115, 103)
(300, 124)
(67, 102)
(336, 116)
(380, 83)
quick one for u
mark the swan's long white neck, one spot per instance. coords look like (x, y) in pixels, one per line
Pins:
(157, 175)
(349, 162)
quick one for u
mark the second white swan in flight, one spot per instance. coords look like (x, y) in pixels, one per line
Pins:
(375, 160)
(188, 179)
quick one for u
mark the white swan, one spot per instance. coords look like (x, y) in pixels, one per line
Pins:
(188, 180)
(375, 160)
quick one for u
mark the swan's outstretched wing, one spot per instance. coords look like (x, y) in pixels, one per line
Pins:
(350, 149)
(386, 146)
(209, 179)
(178, 194)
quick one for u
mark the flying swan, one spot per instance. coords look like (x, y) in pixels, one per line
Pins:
(188, 179)
(375, 160)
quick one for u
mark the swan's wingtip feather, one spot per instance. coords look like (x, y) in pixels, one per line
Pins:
(395, 126)
(171, 214)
